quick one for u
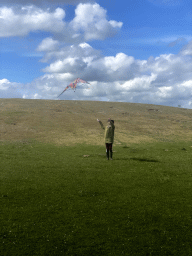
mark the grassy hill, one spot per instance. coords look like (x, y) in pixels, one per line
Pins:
(69, 200)
(69, 122)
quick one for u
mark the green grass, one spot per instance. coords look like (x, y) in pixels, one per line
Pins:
(59, 200)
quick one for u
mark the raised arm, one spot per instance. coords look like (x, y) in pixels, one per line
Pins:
(102, 126)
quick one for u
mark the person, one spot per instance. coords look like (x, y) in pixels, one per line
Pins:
(109, 137)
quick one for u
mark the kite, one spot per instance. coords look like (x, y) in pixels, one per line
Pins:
(73, 85)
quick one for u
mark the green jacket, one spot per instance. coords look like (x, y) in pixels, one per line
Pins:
(109, 132)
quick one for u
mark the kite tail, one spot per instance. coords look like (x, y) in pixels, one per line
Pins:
(63, 92)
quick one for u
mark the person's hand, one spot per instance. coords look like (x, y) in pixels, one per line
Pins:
(97, 120)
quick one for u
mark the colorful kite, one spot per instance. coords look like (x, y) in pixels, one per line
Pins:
(73, 85)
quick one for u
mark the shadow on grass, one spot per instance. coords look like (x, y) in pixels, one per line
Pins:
(144, 159)
(121, 158)
(136, 159)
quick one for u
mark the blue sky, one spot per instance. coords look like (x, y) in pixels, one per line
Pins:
(129, 50)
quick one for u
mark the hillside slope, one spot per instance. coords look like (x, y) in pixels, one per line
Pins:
(69, 122)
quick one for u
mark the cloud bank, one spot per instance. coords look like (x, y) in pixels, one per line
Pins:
(90, 23)
(166, 79)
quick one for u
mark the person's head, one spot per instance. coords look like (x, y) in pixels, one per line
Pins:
(110, 121)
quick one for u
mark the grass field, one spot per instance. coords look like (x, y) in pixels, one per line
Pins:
(58, 199)
(71, 122)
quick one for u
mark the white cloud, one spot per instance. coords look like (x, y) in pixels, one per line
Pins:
(165, 80)
(4, 84)
(82, 54)
(187, 84)
(118, 62)
(84, 45)
(164, 92)
(142, 83)
(90, 23)
(90, 19)
(48, 44)
(83, 60)
(61, 66)
(9, 89)
(19, 22)
(71, 59)
(187, 49)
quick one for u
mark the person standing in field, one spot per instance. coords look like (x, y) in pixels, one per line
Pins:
(109, 136)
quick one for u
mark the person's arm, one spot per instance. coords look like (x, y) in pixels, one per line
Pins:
(102, 126)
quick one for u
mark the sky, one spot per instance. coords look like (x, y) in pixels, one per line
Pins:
(137, 51)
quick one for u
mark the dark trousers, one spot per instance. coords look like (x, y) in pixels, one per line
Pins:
(109, 149)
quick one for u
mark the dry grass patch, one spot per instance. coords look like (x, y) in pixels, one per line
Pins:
(70, 122)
